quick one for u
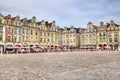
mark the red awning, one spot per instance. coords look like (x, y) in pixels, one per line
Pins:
(61, 47)
(17, 46)
(102, 47)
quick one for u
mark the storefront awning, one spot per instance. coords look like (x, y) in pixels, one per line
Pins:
(9, 46)
(17, 46)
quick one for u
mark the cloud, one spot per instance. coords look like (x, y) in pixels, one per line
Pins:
(65, 12)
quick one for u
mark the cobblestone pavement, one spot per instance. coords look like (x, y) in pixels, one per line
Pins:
(96, 65)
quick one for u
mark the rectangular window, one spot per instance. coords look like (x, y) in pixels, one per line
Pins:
(27, 31)
(1, 36)
(23, 38)
(23, 31)
(44, 34)
(9, 30)
(9, 38)
(20, 31)
(48, 34)
(115, 40)
(103, 33)
(110, 39)
(15, 31)
(115, 34)
(109, 35)
(67, 41)
(1, 29)
(15, 38)
(44, 40)
(20, 39)
(40, 39)
(52, 34)
(48, 40)
(27, 38)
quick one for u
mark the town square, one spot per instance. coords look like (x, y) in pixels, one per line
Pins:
(76, 65)
(60, 40)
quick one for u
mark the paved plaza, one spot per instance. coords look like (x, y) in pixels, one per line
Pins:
(85, 65)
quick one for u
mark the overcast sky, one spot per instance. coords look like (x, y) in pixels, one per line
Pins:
(65, 12)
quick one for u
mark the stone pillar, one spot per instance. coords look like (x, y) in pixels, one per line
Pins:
(119, 47)
(97, 47)
(113, 47)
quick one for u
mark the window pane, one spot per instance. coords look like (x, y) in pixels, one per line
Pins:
(9, 38)
(15, 39)
(23, 31)
(15, 31)
(115, 40)
(1, 29)
(9, 30)
(27, 31)
(1, 37)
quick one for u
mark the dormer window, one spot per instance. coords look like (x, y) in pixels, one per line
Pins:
(72, 31)
(112, 22)
(9, 22)
(33, 25)
(17, 23)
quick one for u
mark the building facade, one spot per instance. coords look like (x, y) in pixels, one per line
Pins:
(48, 34)
(108, 35)
(88, 36)
(69, 36)
(28, 32)
(2, 32)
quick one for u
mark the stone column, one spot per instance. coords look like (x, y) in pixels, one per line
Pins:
(113, 47)
(119, 47)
